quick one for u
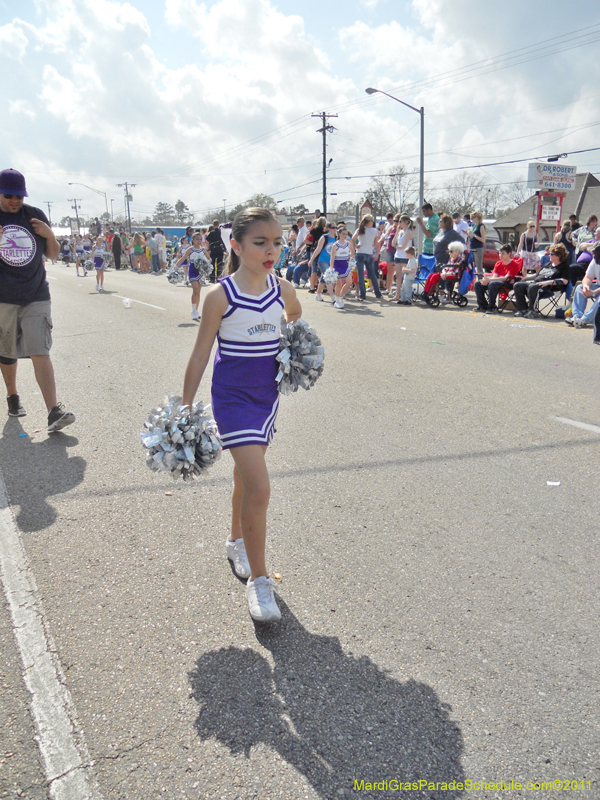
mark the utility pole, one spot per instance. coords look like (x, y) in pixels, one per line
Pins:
(75, 201)
(49, 203)
(325, 130)
(128, 197)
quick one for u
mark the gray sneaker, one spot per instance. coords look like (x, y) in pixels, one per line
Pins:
(15, 409)
(58, 418)
(262, 605)
(236, 553)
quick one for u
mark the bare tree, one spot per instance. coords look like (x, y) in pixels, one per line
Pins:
(396, 190)
(517, 193)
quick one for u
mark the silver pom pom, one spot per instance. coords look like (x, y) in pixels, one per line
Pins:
(175, 275)
(88, 265)
(203, 267)
(330, 275)
(300, 357)
(181, 440)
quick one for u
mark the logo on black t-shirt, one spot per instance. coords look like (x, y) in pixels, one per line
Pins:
(17, 246)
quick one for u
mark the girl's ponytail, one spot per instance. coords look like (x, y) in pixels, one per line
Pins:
(233, 262)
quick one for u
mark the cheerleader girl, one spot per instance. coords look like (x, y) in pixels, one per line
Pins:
(243, 312)
(97, 254)
(184, 243)
(79, 256)
(67, 251)
(340, 261)
(193, 255)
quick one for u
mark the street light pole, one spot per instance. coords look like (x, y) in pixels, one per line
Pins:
(112, 213)
(75, 201)
(93, 190)
(128, 198)
(224, 211)
(421, 112)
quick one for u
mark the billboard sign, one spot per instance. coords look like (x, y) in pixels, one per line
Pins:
(557, 177)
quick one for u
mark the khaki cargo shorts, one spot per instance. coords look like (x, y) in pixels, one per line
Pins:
(25, 330)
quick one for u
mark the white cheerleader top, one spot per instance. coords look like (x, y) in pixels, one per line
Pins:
(248, 337)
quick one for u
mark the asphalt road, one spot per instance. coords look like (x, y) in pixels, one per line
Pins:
(440, 598)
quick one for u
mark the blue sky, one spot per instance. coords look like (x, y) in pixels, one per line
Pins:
(210, 101)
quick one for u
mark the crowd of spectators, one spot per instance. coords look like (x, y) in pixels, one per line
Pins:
(381, 255)
(569, 265)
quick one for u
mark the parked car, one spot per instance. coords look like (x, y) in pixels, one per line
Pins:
(491, 254)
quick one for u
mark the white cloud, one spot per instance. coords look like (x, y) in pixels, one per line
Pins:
(21, 107)
(98, 98)
(13, 41)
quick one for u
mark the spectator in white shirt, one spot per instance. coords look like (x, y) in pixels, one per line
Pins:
(302, 232)
(460, 226)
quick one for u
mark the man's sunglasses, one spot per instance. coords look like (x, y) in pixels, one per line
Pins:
(12, 196)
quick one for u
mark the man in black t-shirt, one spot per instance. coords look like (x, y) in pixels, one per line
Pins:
(216, 247)
(25, 320)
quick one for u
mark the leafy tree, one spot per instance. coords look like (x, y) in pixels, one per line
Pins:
(164, 214)
(65, 222)
(183, 213)
(261, 201)
(300, 210)
(347, 208)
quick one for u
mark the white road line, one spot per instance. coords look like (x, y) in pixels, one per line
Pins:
(576, 424)
(51, 277)
(122, 297)
(62, 746)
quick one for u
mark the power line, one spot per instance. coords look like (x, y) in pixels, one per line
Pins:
(456, 75)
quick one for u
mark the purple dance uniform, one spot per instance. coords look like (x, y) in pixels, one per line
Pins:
(245, 398)
(194, 260)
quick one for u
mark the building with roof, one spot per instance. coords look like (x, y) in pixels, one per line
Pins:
(583, 201)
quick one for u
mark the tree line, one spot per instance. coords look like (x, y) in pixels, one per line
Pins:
(396, 190)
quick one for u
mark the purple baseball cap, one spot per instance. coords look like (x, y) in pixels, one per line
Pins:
(12, 182)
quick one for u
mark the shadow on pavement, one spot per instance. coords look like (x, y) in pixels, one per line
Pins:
(334, 717)
(34, 470)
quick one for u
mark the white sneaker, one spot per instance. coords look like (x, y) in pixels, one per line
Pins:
(579, 322)
(236, 553)
(337, 304)
(340, 302)
(261, 600)
(195, 314)
(97, 287)
(319, 297)
(296, 285)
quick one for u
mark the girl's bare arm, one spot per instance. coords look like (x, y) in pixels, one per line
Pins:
(292, 307)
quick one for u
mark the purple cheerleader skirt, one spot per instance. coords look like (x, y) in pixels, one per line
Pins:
(245, 416)
(342, 268)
